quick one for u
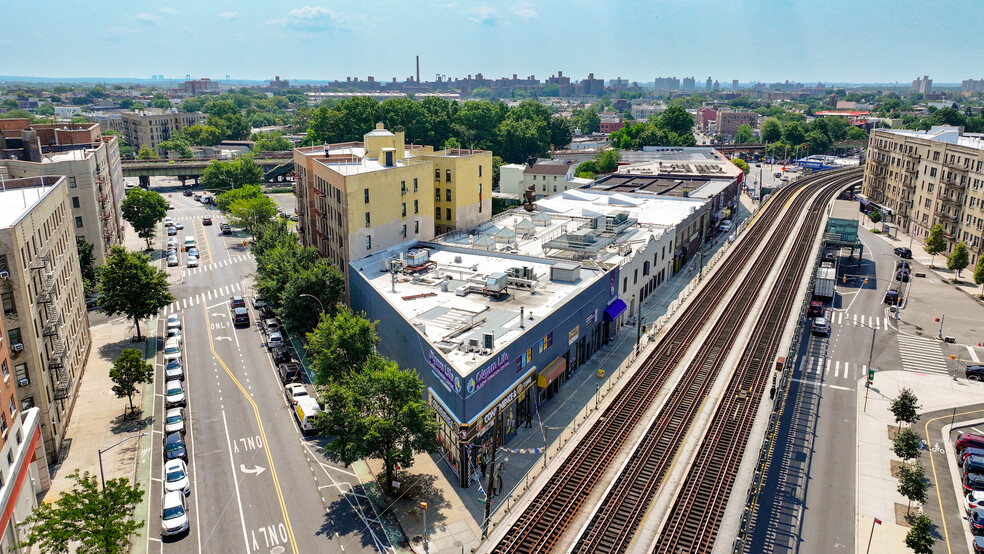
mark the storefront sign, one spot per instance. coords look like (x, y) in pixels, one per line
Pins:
(444, 372)
(591, 319)
(573, 334)
(506, 400)
(484, 375)
(441, 412)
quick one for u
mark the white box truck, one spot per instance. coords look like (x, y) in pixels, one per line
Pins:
(306, 410)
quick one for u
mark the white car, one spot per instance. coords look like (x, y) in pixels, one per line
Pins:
(176, 477)
(725, 226)
(192, 261)
(172, 349)
(168, 222)
(173, 321)
(294, 391)
(174, 333)
(174, 515)
(275, 339)
(174, 370)
(170, 241)
(174, 394)
(178, 225)
(973, 500)
(172, 260)
(174, 421)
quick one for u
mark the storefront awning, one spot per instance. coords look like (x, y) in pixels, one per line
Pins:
(615, 309)
(551, 372)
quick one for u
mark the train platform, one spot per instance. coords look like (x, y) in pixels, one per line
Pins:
(454, 516)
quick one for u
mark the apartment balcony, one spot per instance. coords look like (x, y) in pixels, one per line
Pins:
(954, 166)
(954, 184)
(105, 217)
(950, 200)
(103, 198)
(318, 192)
(947, 216)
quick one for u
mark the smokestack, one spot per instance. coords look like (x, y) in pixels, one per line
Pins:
(418, 70)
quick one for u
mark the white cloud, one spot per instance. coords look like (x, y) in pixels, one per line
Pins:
(171, 11)
(450, 5)
(148, 18)
(308, 18)
(482, 14)
(228, 15)
(524, 11)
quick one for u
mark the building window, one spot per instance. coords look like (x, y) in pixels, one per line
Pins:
(437, 174)
(4, 369)
(78, 221)
(368, 243)
(479, 170)
(20, 373)
(555, 188)
(437, 194)
(404, 209)
(415, 184)
(416, 227)
(75, 202)
(365, 195)
(415, 206)
(71, 183)
(367, 219)
(9, 306)
(403, 187)
(13, 406)
(448, 214)
(14, 335)
(437, 213)
(447, 194)
(3, 424)
(404, 232)
(645, 268)
(27, 403)
(635, 276)
(447, 176)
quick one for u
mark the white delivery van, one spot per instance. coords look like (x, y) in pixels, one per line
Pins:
(306, 410)
(189, 242)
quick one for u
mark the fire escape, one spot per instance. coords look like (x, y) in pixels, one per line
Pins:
(57, 353)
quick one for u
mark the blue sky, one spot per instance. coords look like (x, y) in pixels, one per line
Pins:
(829, 40)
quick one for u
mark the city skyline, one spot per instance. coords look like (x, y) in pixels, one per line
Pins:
(634, 40)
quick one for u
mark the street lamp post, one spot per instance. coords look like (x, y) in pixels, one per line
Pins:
(102, 478)
(316, 298)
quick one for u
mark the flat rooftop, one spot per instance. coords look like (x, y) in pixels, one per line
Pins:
(19, 196)
(645, 208)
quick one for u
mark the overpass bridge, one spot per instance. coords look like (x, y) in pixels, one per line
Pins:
(277, 168)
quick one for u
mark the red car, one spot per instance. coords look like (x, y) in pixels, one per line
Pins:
(206, 221)
(816, 309)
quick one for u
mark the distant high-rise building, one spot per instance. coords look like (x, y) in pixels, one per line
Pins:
(972, 85)
(734, 84)
(717, 86)
(666, 83)
(688, 84)
(709, 85)
(922, 86)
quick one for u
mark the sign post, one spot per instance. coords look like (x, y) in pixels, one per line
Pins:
(423, 511)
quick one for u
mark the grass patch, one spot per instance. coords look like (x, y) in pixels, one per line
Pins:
(274, 190)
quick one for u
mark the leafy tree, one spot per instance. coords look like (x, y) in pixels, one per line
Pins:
(128, 371)
(406, 115)
(935, 242)
(145, 153)
(741, 164)
(378, 413)
(143, 210)
(45, 110)
(87, 264)
(223, 176)
(905, 407)
(321, 280)
(340, 345)
(745, 134)
(482, 92)
(792, 134)
(520, 139)
(451, 144)
(920, 539)
(496, 165)
(202, 135)
(270, 142)
(86, 519)
(250, 213)
(855, 133)
(224, 200)
(552, 89)
(162, 103)
(476, 122)
(958, 259)
(906, 444)
(560, 132)
(177, 144)
(131, 286)
(875, 216)
(979, 274)
(676, 119)
(817, 142)
(607, 160)
(912, 483)
(231, 127)
(440, 117)
(9, 104)
(587, 120)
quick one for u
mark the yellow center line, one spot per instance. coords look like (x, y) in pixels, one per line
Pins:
(259, 423)
(932, 461)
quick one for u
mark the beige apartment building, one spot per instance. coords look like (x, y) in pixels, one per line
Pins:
(89, 161)
(153, 125)
(921, 178)
(358, 198)
(727, 122)
(47, 328)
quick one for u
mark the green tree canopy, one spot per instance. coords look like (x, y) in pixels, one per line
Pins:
(912, 483)
(905, 407)
(935, 242)
(906, 443)
(745, 134)
(128, 371)
(86, 519)
(177, 144)
(250, 213)
(131, 286)
(587, 120)
(979, 274)
(143, 210)
(771, 130)
(145, 153)
(378, 413)
(222, 176)
(676, 119)
(920, 539)
(87, 264)
(45, 110)
(321, 280)
(959, 258)
(741, 164)
(520, 139)
(202, 135)
(225, 199)
(560, 132)
(340, 344)
(270, 142)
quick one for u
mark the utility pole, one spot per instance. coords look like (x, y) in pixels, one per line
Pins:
(491, 477)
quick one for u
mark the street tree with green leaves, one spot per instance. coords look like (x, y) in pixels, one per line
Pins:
(340, 345)
(771, 130)
(905, 407)
(128, 371)
(202, 135)
(222, 176)
(177, 144)
(145, 153)
(143, 210)
(906, 443)
(740, 164)
(131, 286)
(979, 274)
(745, 134)
(935, 242)
(321, 280)
(86, 519)
(913, 484)
(920, 539)
(87, 264)
(378, 412)
(250, 213)
(958, 259)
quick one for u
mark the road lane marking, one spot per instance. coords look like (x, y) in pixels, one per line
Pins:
(262, 430)
(837, 369)
(973, 353)
(827, 370)
(819, 384)
(235, 481)
(932, 461)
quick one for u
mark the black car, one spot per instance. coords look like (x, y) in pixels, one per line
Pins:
(973, 482)
(237, 302)
(266, 312)
(903, 253)
(893, 297)
(281, 354)
(289, 372)
(187, 192)
(206, 221)
(240, 317)
(903, 266)
(902, 275)
(174, 447)
(975, 372)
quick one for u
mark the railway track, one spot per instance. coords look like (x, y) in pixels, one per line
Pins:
(549, 515)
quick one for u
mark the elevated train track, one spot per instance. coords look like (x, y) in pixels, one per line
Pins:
(694, 518)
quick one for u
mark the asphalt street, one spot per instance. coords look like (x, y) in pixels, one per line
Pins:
(808, 499)
(258, 485)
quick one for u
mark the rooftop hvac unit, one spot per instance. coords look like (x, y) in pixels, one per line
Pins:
(473, 345)
(489, 341)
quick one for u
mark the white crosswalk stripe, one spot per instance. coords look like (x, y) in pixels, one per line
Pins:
(922, 354)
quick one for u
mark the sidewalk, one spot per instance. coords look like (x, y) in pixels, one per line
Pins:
(454, 515)
(97, 419)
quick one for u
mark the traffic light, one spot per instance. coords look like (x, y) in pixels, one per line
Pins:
(871, 376)
(937, 320)
(866, 280)
(845, 279)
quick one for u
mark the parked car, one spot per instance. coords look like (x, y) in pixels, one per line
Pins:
(178, 225)
(974, 372)
(173, 321)
(293, 391)
(171, 231)
(725, 226)
(226, 229)
(172, 349)
(174, 421)
(174, 394)
(893, 297)
(259, 302)
(174, 515)
(174, 447)
(967, 440)
(978, 544)
(903, 266)
(192, 261)
(816, 308)
(168, 222)
(237, 302)
(973, 482)
(970, 451)
(976, 520)
(173, 370)
(820, 327)
(275, 338)
(973, 499)
(902, 275)
(193, 252)
(271, 324)
(829, 256)
(172, 260)
(973, 464)
(903, 253)
(174, 333)
(289, 372)
(266, 312)
(206, 221)
(281, 354)
(176, 477)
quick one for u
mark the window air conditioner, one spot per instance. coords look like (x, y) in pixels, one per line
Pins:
(23, 382)
(4, 275)
(17, 346)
